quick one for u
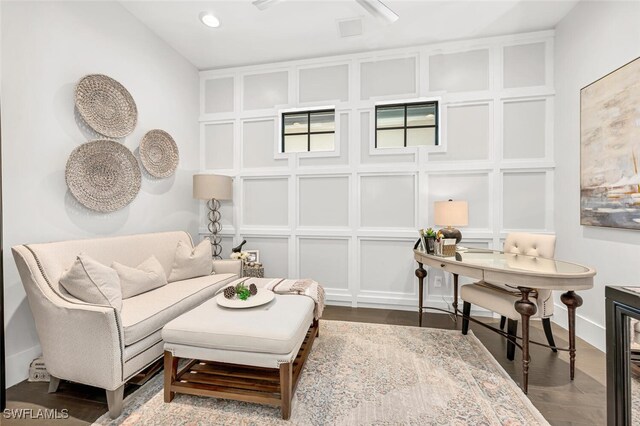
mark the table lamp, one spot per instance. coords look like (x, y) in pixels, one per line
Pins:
(449, 214)
(213, 188)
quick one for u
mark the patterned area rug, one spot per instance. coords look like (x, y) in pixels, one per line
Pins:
(364, 374)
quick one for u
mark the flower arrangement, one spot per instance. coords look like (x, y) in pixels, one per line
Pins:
(242, 255)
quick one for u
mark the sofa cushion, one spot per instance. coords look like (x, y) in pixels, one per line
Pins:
(191, 262)
(92, 282)
(144, 277)
(148, 312)
(275, 328)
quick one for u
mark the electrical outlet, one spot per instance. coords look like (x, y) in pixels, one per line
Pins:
(437, 282)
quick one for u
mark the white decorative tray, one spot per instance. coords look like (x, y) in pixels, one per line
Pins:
(263, 296)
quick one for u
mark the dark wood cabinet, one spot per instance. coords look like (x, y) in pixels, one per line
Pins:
(623, 355)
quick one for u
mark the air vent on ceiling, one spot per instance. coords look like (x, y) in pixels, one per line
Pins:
(350, 27)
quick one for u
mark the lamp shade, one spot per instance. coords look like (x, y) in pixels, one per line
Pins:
(451, 213)
(209, 187)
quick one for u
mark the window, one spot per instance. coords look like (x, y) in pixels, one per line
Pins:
(309, 131)
(406, 125)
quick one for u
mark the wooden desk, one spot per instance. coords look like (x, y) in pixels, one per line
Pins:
(527, 273)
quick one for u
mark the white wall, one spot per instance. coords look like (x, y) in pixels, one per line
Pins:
(594, 39)
(47, 47)
(350, 220)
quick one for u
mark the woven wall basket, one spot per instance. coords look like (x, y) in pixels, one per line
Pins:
(159, 153)
(106, 106)
(103, 175)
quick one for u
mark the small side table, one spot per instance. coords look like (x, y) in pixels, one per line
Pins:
(252, 271)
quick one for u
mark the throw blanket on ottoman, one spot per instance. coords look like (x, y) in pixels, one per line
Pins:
(304, 287)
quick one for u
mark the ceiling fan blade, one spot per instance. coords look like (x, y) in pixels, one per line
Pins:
(264, 4)
(379, 10)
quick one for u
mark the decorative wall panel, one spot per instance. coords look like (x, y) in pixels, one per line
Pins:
(265, 202)
(218, 146)
(390, 77)
(324, 84)
(387, 266)
(317, 253)
(218, 95)
(524, 129)
(524, 199)
(262, 91)
(524, 65)
(387, 201)
(468, 133)
(459, 72)
(323, 201)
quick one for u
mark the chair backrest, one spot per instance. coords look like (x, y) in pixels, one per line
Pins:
(541, 245)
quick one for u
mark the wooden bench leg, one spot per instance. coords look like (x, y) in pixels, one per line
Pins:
(170, 373)
(286, 385)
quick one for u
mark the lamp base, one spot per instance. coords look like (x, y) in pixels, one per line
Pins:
(450, 232)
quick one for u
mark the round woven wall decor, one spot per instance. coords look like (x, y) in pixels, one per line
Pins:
(159, 153)
(106, 106)
(103, 175)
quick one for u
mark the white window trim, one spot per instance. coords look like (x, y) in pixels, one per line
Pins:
(277, 149)
(409, 149)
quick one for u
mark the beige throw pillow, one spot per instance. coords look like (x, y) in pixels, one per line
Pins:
(92, 282)
(191, 262)
(144, 277)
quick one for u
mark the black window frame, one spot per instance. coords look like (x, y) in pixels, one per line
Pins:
(435, 126)
(309, 113)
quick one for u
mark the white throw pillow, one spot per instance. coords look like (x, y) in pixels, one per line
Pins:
(144, 277)
(191, 262)
(92, 282)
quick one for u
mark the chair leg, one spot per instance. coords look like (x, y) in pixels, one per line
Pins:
(466, 311)
(54, 382)
(503, 320)
(114, 402)
(512, 331)
(546, 324)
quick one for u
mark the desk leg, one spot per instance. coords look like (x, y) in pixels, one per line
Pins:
(421, 274)
(526, 309)
(455, 296)
(572, 301)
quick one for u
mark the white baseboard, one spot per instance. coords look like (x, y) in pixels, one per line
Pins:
(587, 330)
(17, 365)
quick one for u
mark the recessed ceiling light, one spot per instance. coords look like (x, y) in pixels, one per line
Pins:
(209, 19)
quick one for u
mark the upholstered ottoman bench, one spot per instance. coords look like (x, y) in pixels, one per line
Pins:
(252, 355)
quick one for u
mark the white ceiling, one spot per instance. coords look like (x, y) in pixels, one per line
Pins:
(295, 29)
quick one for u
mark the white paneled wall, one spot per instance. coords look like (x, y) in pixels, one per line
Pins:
(350, 219)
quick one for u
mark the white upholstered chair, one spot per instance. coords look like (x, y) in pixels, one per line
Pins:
(500, 298)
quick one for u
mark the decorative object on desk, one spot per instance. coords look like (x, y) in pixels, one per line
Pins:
(103, 175)
(213, 188)
(428, 238)
(609, 149)
(159, 153)
(437, 245)
(106, 106)
(238, 248)
(449, 214)
(448, 247)
(253, 256)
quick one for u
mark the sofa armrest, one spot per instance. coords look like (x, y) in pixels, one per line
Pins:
(228, 266)
(80, 342)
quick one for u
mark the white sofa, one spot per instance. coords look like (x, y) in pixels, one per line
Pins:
(95, 344)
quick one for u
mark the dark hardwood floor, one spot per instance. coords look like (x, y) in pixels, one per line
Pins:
(561, 401)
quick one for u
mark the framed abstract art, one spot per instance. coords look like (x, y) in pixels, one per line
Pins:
(610, 149)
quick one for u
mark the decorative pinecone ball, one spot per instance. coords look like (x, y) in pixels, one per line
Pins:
(230, 292)
(253, 289)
